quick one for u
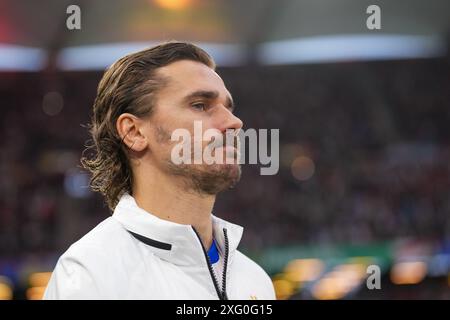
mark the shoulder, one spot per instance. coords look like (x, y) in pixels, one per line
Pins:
(105, 235)
(249, 266)
(255, 273)
(108, 240)
(84, 269)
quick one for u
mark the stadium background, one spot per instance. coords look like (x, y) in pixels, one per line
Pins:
(364, 135)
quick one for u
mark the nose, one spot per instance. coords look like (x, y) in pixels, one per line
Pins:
(228, 120)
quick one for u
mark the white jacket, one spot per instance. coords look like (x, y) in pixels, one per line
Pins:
(136, 255)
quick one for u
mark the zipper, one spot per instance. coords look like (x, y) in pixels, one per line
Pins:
(225, 264)
(222, 294)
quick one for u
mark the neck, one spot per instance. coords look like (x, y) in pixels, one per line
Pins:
(163, 197)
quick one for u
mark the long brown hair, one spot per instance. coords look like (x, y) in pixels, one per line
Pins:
(128, 86)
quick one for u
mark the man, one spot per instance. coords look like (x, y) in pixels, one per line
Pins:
(162, 241)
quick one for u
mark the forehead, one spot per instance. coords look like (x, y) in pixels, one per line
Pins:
(184, 76)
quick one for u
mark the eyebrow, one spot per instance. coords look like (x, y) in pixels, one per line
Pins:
(209, 95)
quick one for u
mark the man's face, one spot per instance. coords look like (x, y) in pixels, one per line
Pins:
(194, 93)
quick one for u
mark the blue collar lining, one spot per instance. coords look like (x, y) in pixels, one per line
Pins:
(213, 252)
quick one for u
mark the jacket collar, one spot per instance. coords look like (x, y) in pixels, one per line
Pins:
(170, 241)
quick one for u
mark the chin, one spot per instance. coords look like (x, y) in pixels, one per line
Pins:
(220, 178)
(232, 174)
(226, 169)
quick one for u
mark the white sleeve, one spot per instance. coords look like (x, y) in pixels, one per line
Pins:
(71, 280)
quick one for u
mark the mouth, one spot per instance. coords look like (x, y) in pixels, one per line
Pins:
(228, 148)
(230, 152)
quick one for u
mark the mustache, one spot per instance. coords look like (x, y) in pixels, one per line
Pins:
(231, 140)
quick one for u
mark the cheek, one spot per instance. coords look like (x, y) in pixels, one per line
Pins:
(157, 139)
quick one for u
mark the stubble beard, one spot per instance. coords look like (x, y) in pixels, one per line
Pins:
(202, 179)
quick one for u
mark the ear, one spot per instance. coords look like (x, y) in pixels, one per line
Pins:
(130, 129)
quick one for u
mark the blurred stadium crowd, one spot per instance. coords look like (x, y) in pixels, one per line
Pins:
(364, 157)
(377, 138)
